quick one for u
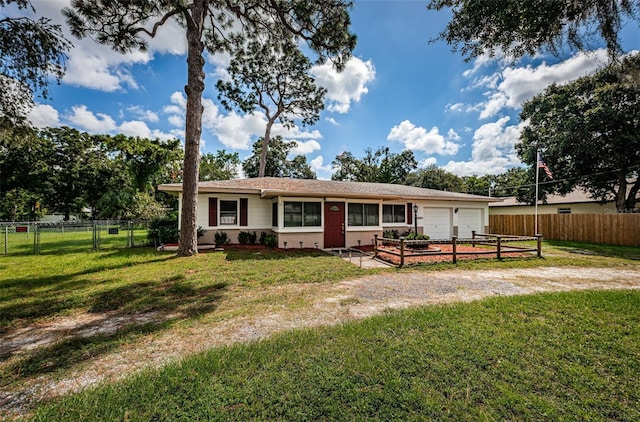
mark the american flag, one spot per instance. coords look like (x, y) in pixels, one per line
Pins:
(542, 165)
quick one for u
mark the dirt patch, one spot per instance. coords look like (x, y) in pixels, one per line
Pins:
(250, 315)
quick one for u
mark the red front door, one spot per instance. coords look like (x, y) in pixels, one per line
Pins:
(334, 225)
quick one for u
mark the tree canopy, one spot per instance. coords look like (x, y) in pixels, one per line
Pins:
(208, 25)
(589, 133)
(277, 163)
(31, 52)
(520, 28)
(376, 166)
(221, 166)
(63, 170)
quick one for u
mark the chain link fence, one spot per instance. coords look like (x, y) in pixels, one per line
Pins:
(47, 237)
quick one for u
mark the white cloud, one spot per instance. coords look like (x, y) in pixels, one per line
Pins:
(454, 107)
(135, 128)
(519, 84)
(305, 148)
(317, 165)
(429, 161)
(332, 121)
(97, 66)
(44, 115)
(238, 131)
(146, 115)
(176, 120)
(492, 152)
(86, 120)
(418, 138)
(347, 86)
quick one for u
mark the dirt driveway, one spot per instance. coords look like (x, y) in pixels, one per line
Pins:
(271, 310)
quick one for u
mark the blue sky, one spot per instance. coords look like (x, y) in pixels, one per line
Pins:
(398, 91)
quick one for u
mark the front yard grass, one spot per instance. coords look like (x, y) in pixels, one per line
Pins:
(35, 290)
(571, 356)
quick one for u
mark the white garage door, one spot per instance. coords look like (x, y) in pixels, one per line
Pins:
(437, 223)
(469, 219)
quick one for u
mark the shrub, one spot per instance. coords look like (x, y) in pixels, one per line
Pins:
(270, 241)
(221, 238)
(243, 238)
(417, 236)
(247, 238)
(163, 230)
(263, 236)
(391, 234)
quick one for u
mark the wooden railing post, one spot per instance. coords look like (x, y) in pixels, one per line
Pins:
(499, 241)
(539, 240)
(473, 238)
(401, 252)
(454, 239)
(375, 244)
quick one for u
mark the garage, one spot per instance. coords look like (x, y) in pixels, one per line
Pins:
(469, 219)
(437, 223)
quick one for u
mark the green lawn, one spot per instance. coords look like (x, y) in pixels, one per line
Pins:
(348, 373)
(571, 356)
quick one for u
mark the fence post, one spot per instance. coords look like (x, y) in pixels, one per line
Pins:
(499, 238)
(95, 236)
(375, 244)
(6, 239)
(454, 239)
(36, 239)
(401, 252)
(539, 240)
(473, 238)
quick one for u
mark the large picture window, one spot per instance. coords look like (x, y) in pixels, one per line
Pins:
(393, 214)
(302, 214)
(364, 214)
(228, 213)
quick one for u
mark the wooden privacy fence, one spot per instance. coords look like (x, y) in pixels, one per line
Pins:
(612, 229)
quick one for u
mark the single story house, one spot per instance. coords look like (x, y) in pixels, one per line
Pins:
(575, 202)
(331, 214)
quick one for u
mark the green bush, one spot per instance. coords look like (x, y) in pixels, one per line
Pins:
(247, 238)
(417, 236)
(268, 240)
(221, 238)
(391, 234)
(163, 230)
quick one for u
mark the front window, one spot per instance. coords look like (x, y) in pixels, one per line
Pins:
(364, 214)
(393, 214)
(302, 214)
(228, 212)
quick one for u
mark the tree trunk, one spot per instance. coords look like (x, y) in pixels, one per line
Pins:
(631, 198)
(265, 148)
(193, 130)
(621, 195)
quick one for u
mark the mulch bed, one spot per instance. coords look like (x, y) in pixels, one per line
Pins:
(444, 248)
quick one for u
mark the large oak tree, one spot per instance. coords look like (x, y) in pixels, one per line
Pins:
(589, 131)
(31, 52)
(520, 28)
(208, 25)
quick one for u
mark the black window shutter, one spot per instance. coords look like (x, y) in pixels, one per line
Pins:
(409, 213)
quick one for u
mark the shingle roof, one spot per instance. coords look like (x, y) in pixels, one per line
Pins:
(575, 196)
(269, 187)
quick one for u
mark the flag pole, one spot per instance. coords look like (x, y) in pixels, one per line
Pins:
(537, 179)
